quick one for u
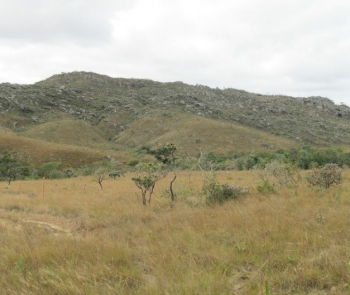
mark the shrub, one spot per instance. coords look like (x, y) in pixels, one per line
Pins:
(8, 166)
(220, 193)
(56, 174)
(276, 174)
(22, 172)
(283, 174)
(266, 187)
(133, 163)
(325, 176)
(245, 162)
(115, 173)
(86, 170)
(45, 169)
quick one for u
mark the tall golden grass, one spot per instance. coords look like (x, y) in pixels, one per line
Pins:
(71, 237)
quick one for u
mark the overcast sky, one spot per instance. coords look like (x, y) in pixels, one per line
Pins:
(291, 47)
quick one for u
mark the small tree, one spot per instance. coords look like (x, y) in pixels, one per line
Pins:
(49, 169)
(100, 175)
(147, 176)
(166, 155)
(107, 169)
(8, 165)
(325, 176)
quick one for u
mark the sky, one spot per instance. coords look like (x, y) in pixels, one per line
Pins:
(299, 48)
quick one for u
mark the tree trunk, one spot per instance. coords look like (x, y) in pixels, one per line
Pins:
(151, 192)
(144, 198)
(171, 188)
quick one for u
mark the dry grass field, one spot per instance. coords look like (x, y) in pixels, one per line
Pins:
(71, 237)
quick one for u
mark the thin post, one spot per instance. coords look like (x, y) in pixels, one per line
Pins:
(43, 187)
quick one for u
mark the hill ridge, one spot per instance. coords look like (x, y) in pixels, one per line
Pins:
(115, 104)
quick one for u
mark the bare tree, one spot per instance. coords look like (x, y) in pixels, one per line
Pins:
(100, 175)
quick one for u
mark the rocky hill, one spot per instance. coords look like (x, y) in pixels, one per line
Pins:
(112, 106)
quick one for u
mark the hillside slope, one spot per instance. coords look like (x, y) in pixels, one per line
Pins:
(73, 132)
(37, 152)
(192, 134)
(97, 111)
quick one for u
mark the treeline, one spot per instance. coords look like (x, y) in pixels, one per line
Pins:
(305, 157)
(13, 169)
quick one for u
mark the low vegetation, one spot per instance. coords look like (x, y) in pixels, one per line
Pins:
(217, 193)
(70, 237)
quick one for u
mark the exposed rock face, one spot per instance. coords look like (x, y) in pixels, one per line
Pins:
(116, 102)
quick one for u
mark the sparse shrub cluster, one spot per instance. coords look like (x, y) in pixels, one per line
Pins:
(50, 170)
(325, 176)
(265, 187)
(246, 162)
(217, 193)
(277, 174)
(280, 174)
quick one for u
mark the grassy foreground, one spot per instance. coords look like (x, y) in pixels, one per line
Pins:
(69, 237)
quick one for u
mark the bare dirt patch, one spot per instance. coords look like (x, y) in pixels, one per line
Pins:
(16, 221)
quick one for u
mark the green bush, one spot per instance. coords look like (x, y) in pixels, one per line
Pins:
(217, 193)
(133, 163)
(22, 172)
(45, 169)
(265, 188)
(56, 174)
(86, 170)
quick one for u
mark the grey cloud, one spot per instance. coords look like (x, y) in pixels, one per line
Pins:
(58, 21)
(291, 47)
